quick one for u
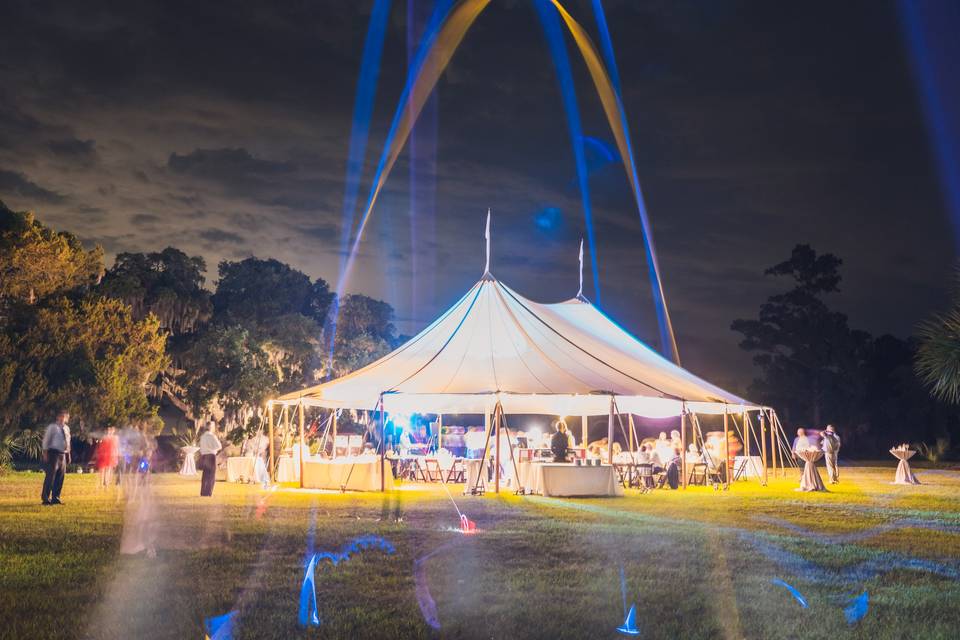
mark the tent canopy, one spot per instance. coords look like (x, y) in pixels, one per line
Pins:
(555, 359)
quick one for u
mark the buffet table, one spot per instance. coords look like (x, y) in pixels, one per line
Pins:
(569, 480)
(287, 469)
(240, 468)
(333, 474)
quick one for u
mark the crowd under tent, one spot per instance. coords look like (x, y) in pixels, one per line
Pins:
(496, 353)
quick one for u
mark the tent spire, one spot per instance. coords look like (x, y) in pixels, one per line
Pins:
(580, 290)
(486, 269)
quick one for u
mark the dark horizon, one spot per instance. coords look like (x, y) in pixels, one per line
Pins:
(223, 131)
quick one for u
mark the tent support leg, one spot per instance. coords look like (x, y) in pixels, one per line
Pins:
(633, 433)
(272, 468)
(300, 418)
(334, 429)
(584, 431)
(486, 450)
(726, 452)
(497, 417)
(383, 447)
(763, 447)
(610, 433)
(683, 444)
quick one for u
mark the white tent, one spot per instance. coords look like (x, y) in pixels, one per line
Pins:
(495, 345)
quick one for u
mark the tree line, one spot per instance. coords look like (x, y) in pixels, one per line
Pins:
(108, 344)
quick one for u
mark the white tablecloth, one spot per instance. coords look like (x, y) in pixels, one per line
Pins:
(189, 467)
(753, 468)
(904, 473)
(810, 480)
(287, 469)
(559, 479)
(333, 474)
(240, 469)
(473, 467)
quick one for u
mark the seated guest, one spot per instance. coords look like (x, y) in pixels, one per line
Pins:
(663, 449)
(693, 456)
(643, 455)
(672, 474)
(675, 440)
(595, 447)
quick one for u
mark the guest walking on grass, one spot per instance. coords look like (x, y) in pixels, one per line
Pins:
(56, 455)
(830, 442)
(209, 447)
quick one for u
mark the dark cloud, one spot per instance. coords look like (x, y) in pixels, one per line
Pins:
(16, 184)
(83, 151)
(144, 219)
(227, 166)
(219, 236)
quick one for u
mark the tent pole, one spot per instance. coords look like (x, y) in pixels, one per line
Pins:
(683, 444)
(610, 433)
(486, 450)
(273, 474)
(763, 446)
(726, 451)
(301, 421)
(746, 433)
(497, 414)
(773, 448)
(584, 432)
(633, 434)
(383, 448)
(439, 431)
(334, 428)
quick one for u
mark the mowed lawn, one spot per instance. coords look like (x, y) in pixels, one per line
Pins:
(697, 564)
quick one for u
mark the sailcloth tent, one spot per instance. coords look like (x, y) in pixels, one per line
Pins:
(494, 345)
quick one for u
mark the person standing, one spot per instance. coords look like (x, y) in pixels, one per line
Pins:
(830, 443)
(56, 455)
(209, 447)
(107, 456)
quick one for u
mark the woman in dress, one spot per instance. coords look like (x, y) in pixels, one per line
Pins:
(107, 456)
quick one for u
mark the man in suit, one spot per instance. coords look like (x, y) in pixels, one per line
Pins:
(56, 456)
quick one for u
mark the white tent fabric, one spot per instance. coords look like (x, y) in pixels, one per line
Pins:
(555, 359)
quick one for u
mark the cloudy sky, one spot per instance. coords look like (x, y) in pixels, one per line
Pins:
(223, 128)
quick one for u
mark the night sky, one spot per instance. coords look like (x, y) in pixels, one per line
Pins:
(222, 128)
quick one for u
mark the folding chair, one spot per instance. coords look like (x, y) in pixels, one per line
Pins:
(698, 474)
(645, 476)
(433, 470)
(419, 470)
(456, 473)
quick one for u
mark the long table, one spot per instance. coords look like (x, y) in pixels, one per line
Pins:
(334, 474)
(568, 480)
(240, 469)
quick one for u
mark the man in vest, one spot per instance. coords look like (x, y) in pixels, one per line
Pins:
(56, 455)
(830, 443)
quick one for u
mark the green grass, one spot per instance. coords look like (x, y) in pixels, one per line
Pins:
(541, 567)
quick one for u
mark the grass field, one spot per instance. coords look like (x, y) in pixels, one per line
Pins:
(697, 564)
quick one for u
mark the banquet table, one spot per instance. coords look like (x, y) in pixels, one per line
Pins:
(240, 468)
(745, 467)
(474, 467)
(904, 473)
(363, 473)
(569, 480)
(287, 469)
(189, 466)
(811, 480)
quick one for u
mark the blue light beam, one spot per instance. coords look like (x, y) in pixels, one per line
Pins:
(561, 62)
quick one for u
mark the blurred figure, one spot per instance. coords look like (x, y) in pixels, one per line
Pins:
(663, 449)
(561, 427)
(672, 471)
(830, 443)
(209, 447)
(56, 456)
(801, 442)
(107, 456)
(693, 455)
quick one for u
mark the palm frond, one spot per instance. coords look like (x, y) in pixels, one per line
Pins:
(937, 361)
